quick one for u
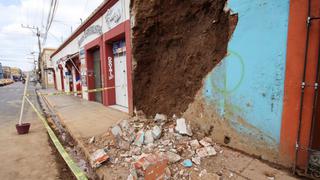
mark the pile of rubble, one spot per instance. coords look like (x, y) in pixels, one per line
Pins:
(158, 148)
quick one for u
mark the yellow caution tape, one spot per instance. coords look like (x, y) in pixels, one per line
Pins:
(78, 173)
(73, 92)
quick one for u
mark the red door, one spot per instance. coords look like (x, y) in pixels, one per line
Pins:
(62, 81)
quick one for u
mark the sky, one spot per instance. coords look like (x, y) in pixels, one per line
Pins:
(17, 43)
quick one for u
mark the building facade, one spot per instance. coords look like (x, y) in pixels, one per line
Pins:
(98, 56)
(6, 72)
(46, 68)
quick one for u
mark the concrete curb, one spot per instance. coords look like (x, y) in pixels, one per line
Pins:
(72, 135)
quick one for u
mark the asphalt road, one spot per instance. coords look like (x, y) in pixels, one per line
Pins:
(10, 101)
(27, 156)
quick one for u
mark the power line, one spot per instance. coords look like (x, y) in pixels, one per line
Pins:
(52, 11)
(42, 14)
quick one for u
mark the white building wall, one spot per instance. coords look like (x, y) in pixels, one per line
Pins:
(117, 14)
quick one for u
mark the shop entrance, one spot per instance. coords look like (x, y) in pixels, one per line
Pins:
(121, 87)
(97, 74)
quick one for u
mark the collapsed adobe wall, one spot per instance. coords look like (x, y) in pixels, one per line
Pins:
(175, 45)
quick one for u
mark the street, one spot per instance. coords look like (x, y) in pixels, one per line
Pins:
(23, 156)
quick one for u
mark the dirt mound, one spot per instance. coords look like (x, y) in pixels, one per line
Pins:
(175, 45)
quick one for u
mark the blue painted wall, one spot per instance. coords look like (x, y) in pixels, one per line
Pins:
(247, 87)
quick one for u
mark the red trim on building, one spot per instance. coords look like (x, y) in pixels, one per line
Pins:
(104, 42)
(294, 70)
(61, 76)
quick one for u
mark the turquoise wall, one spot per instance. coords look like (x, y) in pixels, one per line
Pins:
(247, 87)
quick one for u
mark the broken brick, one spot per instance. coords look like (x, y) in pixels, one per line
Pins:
(151, 166)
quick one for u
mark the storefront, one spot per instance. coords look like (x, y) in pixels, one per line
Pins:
(97, 56)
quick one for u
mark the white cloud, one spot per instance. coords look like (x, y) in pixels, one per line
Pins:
(16, 42)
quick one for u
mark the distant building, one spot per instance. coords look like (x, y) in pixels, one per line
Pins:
(46, 68)
(1, 71)
(6, 72)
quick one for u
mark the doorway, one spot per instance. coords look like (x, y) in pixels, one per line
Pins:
(121, 86)
(97, 74)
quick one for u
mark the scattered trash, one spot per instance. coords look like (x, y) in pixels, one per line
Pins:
(98, 157)
(182, 127)
(187, 163)
(91, 140)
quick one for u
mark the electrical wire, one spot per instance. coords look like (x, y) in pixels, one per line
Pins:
(52, 11)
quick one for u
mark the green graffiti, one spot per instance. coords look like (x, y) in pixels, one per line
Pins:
(225, 89)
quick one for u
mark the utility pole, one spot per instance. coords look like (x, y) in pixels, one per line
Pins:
(39, 76)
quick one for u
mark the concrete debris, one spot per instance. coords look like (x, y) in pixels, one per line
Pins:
(187, 163)
(160, 117)
(194, 144)
(206, 151)
(153, 149)
(165, 142)
(202, 152)
(123, 144)
(98, 157)
(156, 132)
(204, 143)
(182, 127)
(196, 160)
(172, 157)
(91, 140)
(124, 124)
(148, 137)
(116, 131)
(139, 138)
(211, 151)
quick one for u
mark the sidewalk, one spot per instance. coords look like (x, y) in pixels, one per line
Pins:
(84, 119)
